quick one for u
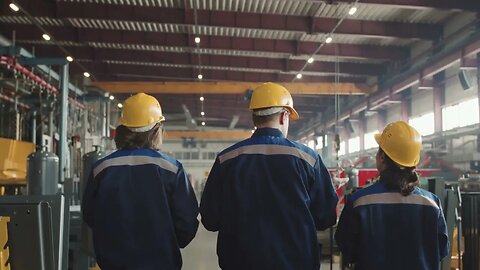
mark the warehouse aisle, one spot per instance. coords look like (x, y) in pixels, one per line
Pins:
(201, 254)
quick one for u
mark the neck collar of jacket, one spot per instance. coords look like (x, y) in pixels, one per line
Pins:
(267, 132)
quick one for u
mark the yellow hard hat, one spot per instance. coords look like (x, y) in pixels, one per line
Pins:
(141, 110)
(401, 142)
(269, 95)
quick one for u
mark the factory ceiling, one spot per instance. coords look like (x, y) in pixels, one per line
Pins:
(153, 41)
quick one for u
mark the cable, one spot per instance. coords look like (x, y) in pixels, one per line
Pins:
(329, 36)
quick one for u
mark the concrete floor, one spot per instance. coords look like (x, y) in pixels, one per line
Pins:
(200, 254)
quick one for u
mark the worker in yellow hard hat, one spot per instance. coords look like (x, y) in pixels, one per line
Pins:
(138, 201)
(394, 224)
(267, 195)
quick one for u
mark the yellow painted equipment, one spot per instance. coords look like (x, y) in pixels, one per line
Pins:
(4, 251)
(13, 161)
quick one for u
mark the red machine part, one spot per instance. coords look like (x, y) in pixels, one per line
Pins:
(11, 63)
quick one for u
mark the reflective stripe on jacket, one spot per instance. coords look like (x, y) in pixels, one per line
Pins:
(267, 196)
(382, 229)
(141, 208)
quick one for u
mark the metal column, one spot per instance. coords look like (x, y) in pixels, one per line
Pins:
(34, 127)
(62, 146)
(438, 99)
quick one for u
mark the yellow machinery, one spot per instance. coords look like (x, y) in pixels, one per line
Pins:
(13, 161)
(4, 251)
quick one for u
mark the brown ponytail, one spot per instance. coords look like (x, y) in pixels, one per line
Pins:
(404, 179)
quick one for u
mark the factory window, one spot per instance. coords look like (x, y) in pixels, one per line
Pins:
(341, 152)
(212, 155)
(195, 155)
(354, 145)
(205, 155)
(460, 115)
(311, 144)
(369, 140)
(320, 143)
(423, 124)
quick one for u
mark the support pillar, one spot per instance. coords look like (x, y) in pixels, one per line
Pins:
(62, 145)
(34, 127)
(438, 100)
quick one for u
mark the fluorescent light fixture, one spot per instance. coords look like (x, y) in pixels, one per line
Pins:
(46, 37)
(111, 97)
(69, 58)
(200, 76)
(120, 105)
(202, 113)
(299, 76)
(352, 10)
(197, 40)
(14, 7)
(202, 98)
(86, 74)
(310, 60)
(328, 40)
(203, 123)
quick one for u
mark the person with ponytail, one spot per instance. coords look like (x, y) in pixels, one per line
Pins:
(138, 201)
(394, 224)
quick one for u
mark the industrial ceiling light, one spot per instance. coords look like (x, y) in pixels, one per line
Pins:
(69, 58)
(202, 113)
(200, 76)
(203, 123)
(310, 60)
(197, 40)
(299, 75)
(14, 7)
(352, 10)
(86, 74)
(202, 98)
(328, 40)
(111, 97)
(46, 37)
(120, 105)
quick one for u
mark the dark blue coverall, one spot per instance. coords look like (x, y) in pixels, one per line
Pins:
(267, 196)
(382, 229)
(141, 208)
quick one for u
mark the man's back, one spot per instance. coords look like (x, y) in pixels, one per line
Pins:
(267, 196)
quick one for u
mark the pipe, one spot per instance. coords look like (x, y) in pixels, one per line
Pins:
(12, 64)
(12, 100)
(62, 149)
(5, 42)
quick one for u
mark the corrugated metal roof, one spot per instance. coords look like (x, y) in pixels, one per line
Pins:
(44, 42)
(175, 49)
(25, 20)
(375, 12)
(145, 3)
(181, 28)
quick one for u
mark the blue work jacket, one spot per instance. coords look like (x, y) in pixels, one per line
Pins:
(267, 196)
(141, 208)
(380, 228)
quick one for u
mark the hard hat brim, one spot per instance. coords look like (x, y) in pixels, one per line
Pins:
(293, 114)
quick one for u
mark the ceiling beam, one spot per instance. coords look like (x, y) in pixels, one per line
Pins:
(227, 88)
(287, 47)
(118, 72)
(182, 16)
(275, 65)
